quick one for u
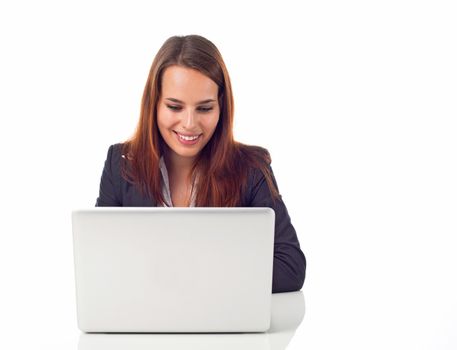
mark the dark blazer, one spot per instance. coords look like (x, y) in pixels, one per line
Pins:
(289, 261)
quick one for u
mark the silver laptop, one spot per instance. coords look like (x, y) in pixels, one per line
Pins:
(173, 269)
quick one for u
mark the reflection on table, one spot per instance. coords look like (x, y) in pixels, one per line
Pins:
(287, 312)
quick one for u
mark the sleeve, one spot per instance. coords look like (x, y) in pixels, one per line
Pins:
(109, 183)
(289, 264)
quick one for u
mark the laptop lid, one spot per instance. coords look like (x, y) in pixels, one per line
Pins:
(173, 269)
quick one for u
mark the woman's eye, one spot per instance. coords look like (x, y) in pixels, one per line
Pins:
(179, 108)
(205, 109)
(174, 108)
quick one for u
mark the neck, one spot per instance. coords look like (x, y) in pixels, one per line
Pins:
(178, 166)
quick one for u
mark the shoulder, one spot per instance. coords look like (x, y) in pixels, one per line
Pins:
(116, 150)
(254, 156)
(118, 164)
(256, 162)
(115, 160)
(117, 153)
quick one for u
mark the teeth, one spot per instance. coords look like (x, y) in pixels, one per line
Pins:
(188, 138)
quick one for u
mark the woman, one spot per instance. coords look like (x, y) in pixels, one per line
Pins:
(183, 152)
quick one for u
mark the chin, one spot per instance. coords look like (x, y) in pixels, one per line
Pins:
(187, 153)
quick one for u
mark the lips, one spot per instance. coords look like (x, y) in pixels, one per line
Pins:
(189, 139)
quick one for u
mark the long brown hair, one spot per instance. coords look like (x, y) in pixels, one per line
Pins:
(224, 162)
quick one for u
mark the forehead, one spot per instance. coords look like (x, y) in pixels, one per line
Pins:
(187, 85)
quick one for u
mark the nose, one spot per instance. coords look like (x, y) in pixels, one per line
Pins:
(189, 120)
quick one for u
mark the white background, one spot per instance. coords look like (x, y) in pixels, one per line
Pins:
(356, 101)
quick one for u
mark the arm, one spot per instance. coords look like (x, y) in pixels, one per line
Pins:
(289, 261)
(108, 196)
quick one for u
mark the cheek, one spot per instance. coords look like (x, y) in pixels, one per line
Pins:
(212, 121)
(162, 124)
(164, 119)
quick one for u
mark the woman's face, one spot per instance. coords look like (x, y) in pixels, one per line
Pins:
(187, 110)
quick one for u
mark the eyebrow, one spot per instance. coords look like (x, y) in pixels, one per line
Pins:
(199, 103)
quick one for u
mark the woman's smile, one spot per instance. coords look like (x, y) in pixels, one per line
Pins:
(188, 140)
